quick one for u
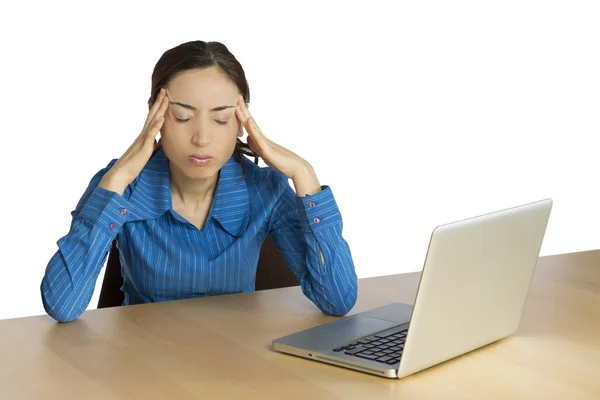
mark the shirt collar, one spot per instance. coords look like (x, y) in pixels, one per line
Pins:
(151, 196)
(231, 204)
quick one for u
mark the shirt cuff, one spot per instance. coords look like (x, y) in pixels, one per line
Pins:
(107, 210)
(318, 211)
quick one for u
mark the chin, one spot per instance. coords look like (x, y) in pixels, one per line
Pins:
(205, 174)
(200, 172)
(204, 171)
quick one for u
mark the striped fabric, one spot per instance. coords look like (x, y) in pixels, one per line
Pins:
(164, 257)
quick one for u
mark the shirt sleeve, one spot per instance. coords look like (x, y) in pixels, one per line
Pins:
(70, 276)
(302, 228)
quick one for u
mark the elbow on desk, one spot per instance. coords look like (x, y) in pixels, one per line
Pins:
(343, 307)
(338, 311)
(58, 310)
(60, 316)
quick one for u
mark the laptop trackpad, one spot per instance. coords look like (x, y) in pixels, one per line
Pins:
(355, 327)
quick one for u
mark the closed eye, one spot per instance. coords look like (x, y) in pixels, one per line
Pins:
(186, 120)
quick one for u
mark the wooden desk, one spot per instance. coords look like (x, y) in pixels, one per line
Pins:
(219, 347)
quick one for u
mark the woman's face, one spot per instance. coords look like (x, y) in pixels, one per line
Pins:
(200, 128)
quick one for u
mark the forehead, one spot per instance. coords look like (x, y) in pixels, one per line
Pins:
(202, 88)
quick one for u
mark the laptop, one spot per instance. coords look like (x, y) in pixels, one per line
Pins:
(471, 293)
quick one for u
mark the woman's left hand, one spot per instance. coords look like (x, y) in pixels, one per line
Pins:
(275, 156)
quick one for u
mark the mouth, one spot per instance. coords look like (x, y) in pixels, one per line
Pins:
(200, 159)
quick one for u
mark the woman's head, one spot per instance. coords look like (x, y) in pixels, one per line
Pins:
(203, 82)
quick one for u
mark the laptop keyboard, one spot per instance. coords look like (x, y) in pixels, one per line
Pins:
(385, 347)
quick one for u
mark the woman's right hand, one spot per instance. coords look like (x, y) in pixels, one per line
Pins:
(131, 163)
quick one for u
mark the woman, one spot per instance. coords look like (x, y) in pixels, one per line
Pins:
(190, 212)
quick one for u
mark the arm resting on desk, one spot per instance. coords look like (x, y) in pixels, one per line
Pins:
(314, 249)
(70, 277)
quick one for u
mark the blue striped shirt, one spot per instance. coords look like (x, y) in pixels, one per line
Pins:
(165, 257)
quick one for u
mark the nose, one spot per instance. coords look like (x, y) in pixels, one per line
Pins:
(201, 134)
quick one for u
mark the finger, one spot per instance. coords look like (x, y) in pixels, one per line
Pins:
(160, 113)
(163, 108)
(157, 104)
(238, 110)
(241, 110)
(254, 127)
(154, 129)
(258, 146)
(247, 120)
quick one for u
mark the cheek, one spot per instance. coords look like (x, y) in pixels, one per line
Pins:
(171, 138)
(226, 132)
(227, 141)
(172, 131)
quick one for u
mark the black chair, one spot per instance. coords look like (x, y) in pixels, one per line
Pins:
(271, 273)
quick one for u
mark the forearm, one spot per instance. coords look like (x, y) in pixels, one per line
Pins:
(308, 230)
(331, 282)
(112, 183)
(305, 181)
(71, 274)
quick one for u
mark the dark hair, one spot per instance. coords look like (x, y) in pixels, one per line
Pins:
(198, 54)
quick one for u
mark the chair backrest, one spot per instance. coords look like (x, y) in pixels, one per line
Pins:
(271, 273)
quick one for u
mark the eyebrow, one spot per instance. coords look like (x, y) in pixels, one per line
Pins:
(220, 108)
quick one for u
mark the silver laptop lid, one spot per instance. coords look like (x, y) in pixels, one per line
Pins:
(474, 284)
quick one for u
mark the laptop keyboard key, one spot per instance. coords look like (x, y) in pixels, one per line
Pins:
(358, 349)
(385, 359)
(384, 334)
(385, 347)
(367, 356)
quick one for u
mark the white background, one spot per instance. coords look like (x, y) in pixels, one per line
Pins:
(416, 114)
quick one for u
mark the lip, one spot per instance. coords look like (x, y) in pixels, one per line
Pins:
(200, 159)
(201, 156)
